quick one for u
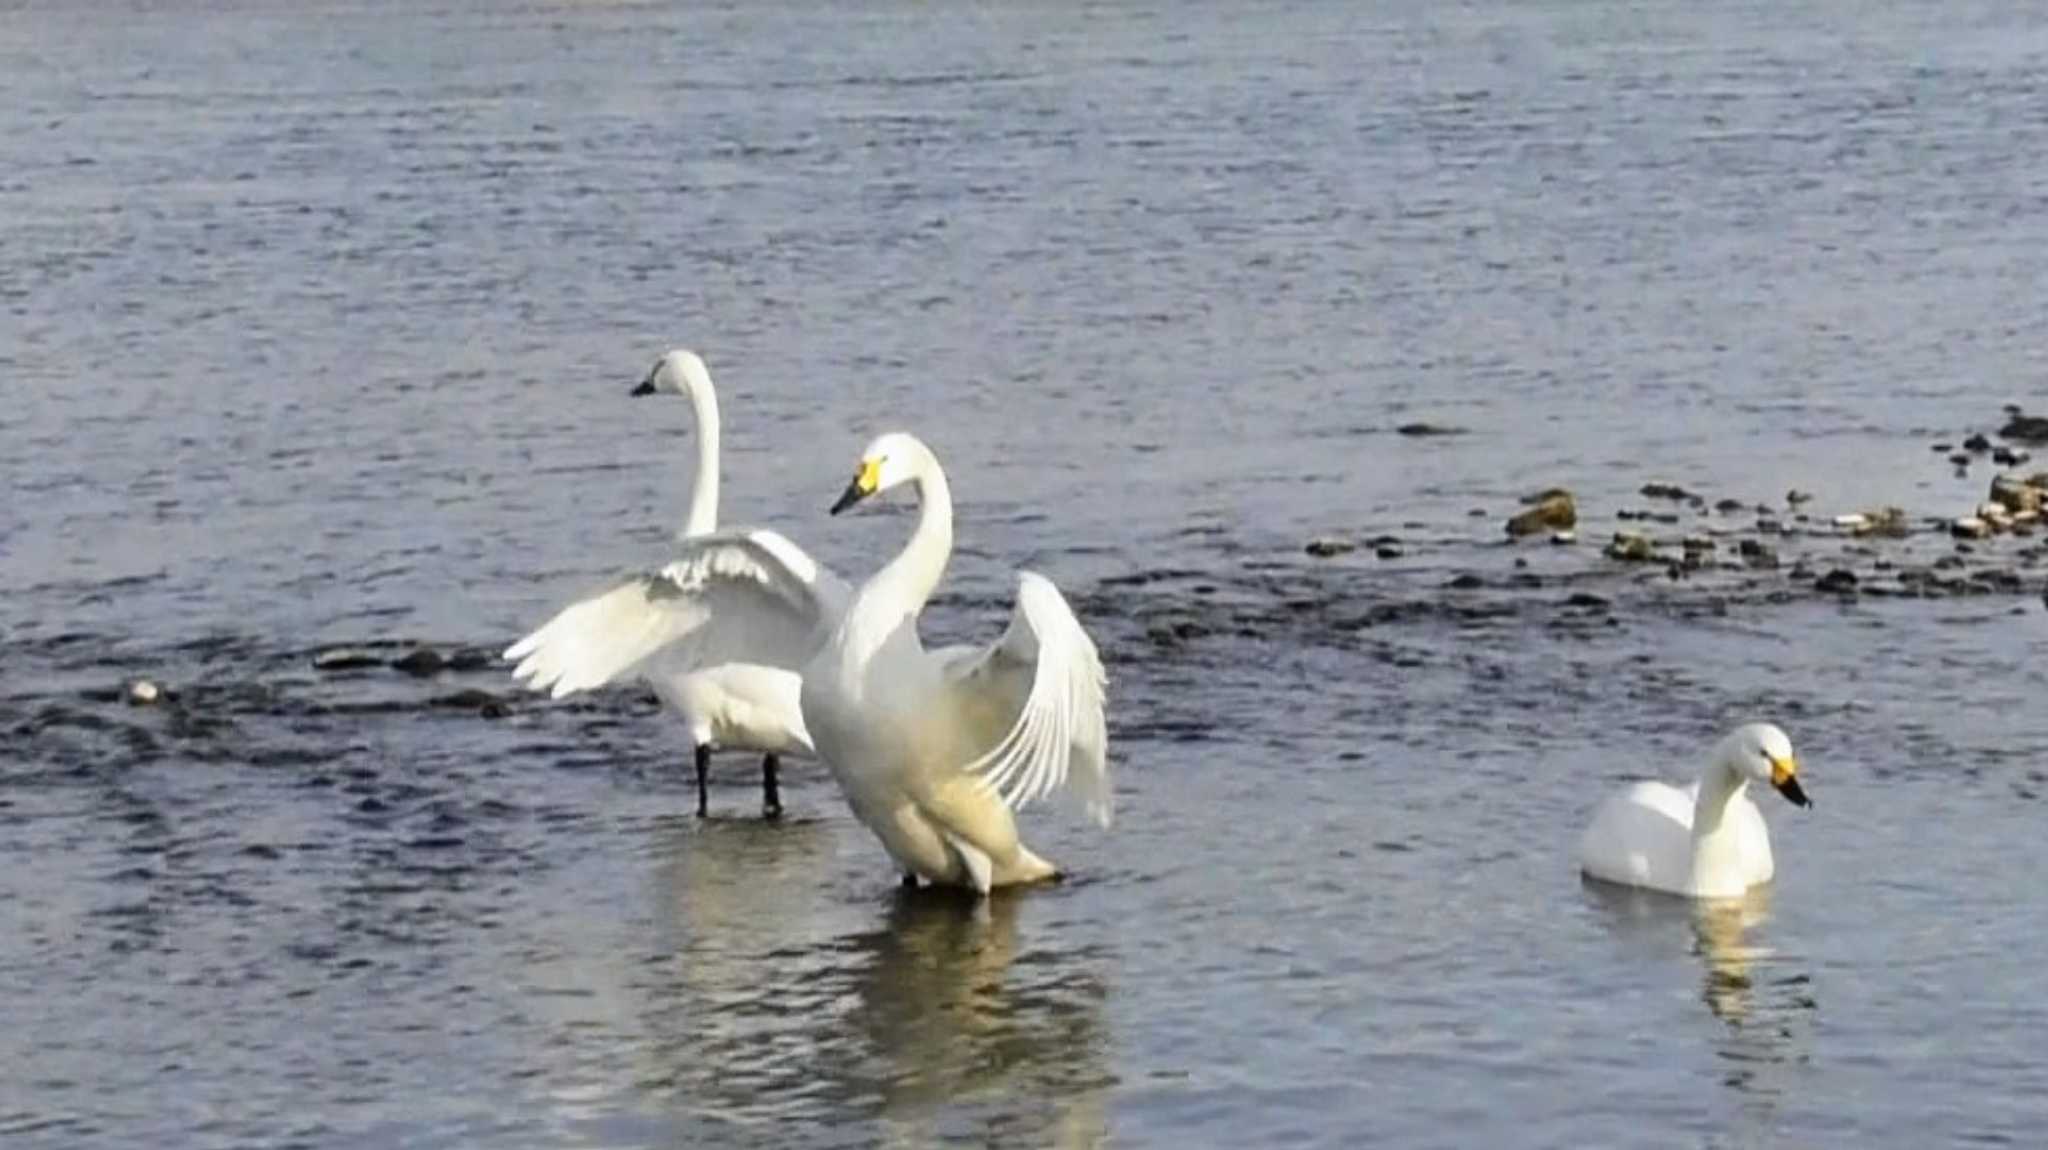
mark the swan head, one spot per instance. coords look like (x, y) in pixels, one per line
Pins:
(1762, 753)
(680, 372)
(888, 461)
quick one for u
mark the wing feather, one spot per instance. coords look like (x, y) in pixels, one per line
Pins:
(729, 596)
(1046, 672)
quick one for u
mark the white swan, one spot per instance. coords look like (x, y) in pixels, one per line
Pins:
(935, 750)
(1706, 840)
(730, 704)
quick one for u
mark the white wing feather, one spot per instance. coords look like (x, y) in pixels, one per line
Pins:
(730, 596)
(1046, 671)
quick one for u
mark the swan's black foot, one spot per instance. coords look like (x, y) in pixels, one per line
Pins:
(771, 789)
(909, 881)
(703, 775)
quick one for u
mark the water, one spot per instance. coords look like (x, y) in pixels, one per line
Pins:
(318, 325)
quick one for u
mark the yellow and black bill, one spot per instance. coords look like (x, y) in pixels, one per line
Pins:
(866, 482)
(1785, 777)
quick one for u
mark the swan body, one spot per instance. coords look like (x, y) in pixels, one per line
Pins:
(1705, 840)
(734, 705)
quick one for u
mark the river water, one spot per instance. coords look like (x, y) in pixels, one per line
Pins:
(316, 324)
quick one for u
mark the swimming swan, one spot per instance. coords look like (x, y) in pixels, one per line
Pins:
(733, 704)
(1706, 840)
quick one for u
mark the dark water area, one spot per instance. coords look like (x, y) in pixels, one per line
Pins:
(316, 327)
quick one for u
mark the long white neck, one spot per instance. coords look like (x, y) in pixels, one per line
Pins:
(901, 589)
(1717, 859)
(704, 489)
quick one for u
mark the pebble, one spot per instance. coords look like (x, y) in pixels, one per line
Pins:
(1563, 538)
(1837, 581)
(1387, 552)
(1969, 527)
(1960, 460)
(142, 693)
(1630, 547)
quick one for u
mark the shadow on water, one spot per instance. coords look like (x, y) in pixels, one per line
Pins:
(1766, 1008)
(921, 1012)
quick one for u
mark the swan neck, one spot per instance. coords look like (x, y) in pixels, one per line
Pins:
(901, 589)
(704, 487)
(1718, 788)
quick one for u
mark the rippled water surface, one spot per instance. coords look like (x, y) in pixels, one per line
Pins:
(316, 324)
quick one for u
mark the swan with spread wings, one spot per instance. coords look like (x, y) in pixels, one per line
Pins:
(935, 750)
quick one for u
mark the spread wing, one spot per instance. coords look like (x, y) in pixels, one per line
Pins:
(1040, 690)
(730, 596)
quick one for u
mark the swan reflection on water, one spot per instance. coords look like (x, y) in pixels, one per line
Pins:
(1744, 983)
(781, 1002)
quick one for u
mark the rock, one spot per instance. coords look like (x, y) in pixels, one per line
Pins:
(1769, 527)
(2007, 457)
(1555, 511)
(2025, 429)
(1795, 497)
(422, 662)
(1943, 448)
(1697, 543)
(1563, 538)
(1970, 527)
(1757, 556)
(1387, 552)
(1730, 506)
(142, 693)
(1326, 546)
(345, 659)
(1665, 491)
(1977, 444)
(1544, 496)
(1629, 547)
(1587, 600)
(1427, 429)
(1466, 582)
(1959, 459)
(1852, 522)
(1476, 513)
(1838, 581)
(2015, 495)
(1888, 522)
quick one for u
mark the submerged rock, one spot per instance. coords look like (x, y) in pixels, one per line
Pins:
(2025, 429)
(1552, 510)
(1631, 547)
(1666, 491)
(1326, 546)
(1428, 429)
(423, 662)
(345, 659)
(1837, 581)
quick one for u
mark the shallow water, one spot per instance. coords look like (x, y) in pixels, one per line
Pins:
(318, 323)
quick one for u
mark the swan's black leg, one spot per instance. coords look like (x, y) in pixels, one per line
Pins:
(771, 790)
(703, 774)
(909, 881)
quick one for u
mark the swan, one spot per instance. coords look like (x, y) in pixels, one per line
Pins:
(1707, 840)
(729, 705)
(934, 750)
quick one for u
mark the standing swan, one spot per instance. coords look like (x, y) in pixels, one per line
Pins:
(1707, 840)
(935, 750)
(729, 705)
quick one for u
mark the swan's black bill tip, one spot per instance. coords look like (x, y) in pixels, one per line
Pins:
(847, 498)
(1793, 792)
(644, 387)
